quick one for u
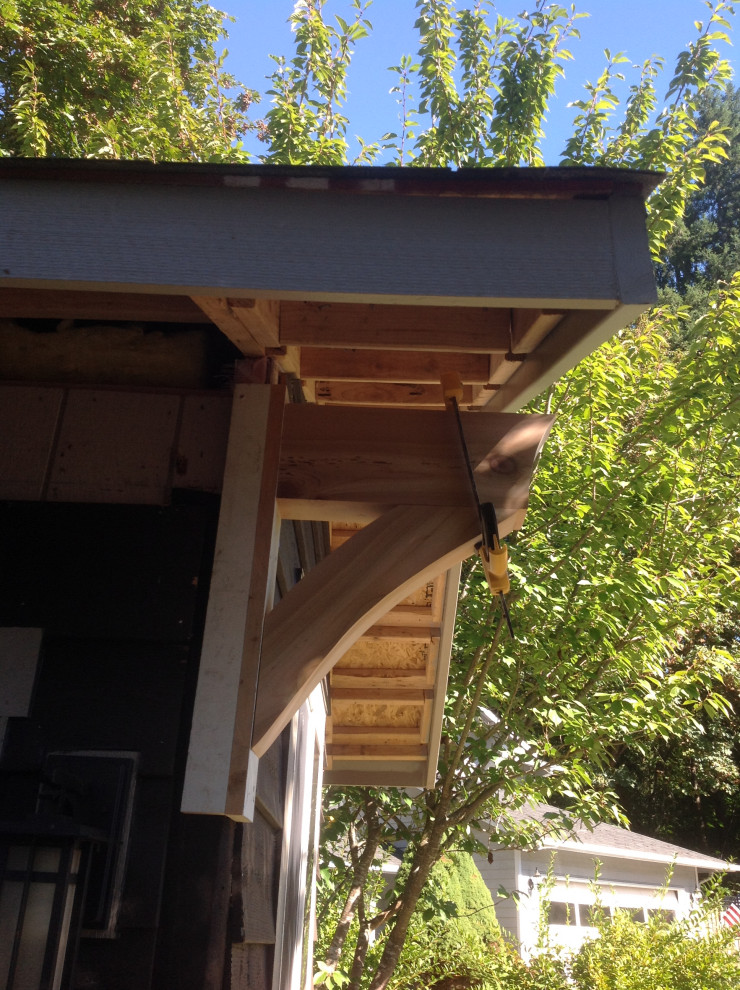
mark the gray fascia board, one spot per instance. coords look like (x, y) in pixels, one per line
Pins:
(289, 243)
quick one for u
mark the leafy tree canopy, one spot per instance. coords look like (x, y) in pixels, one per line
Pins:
(104, 79)
(704, 245)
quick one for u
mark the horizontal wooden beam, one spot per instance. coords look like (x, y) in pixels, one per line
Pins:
(375, 733)
(397, 328)
(414, 396)
(382, 678)
(406, 633)
(372, 752)
(328, 364)
(395, 457)
(390, 695)
(67, 304)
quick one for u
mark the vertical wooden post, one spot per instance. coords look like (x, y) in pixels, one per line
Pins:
(220, 776)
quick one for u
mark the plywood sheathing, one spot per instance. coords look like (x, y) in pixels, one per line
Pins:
(381, 690)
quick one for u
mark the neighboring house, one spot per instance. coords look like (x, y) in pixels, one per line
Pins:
(233, 509)
(566, 878)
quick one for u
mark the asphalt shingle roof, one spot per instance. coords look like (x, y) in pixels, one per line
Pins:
(621, 841)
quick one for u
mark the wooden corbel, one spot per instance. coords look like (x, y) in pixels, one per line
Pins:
(402, 470)
(369, 459)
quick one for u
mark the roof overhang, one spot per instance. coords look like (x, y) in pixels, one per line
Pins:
(681, 858)
(364, 283)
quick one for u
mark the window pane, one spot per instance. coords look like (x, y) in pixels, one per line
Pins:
(662, 914)
(595, 914)
(561, 913)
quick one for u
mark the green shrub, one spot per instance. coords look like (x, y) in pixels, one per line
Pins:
(693, 954)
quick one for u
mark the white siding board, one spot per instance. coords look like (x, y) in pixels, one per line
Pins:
(501, 873)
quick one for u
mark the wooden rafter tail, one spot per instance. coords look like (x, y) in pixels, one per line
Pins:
(252, 325)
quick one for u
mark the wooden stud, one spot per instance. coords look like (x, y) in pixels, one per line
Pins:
(219, 777)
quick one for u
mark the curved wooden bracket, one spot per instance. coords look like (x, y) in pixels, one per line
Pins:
(352, 588)
(340, 599)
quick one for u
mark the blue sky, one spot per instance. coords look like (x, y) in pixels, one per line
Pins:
(639, 28)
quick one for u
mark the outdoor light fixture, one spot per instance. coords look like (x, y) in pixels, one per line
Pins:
(43, 868)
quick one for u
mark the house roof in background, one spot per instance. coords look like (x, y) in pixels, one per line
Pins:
(611, 840)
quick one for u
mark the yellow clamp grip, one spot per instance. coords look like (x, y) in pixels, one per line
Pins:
(495, 566)
(452, 387)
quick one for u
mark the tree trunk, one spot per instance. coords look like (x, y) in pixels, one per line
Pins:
(425, 856)
(359, 879)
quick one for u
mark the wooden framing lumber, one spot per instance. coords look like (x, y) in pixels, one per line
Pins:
(61, 304)
(368, 751)
(415, 396)
(250, 324)
(391, 682)
(407, 634)
(375, 733)
(398, 328)
(402, 457)
(358, 365)
(408, 545)
(383, 695)
(344, 595)
(530, 326)
(435, 710)
(220, 770)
